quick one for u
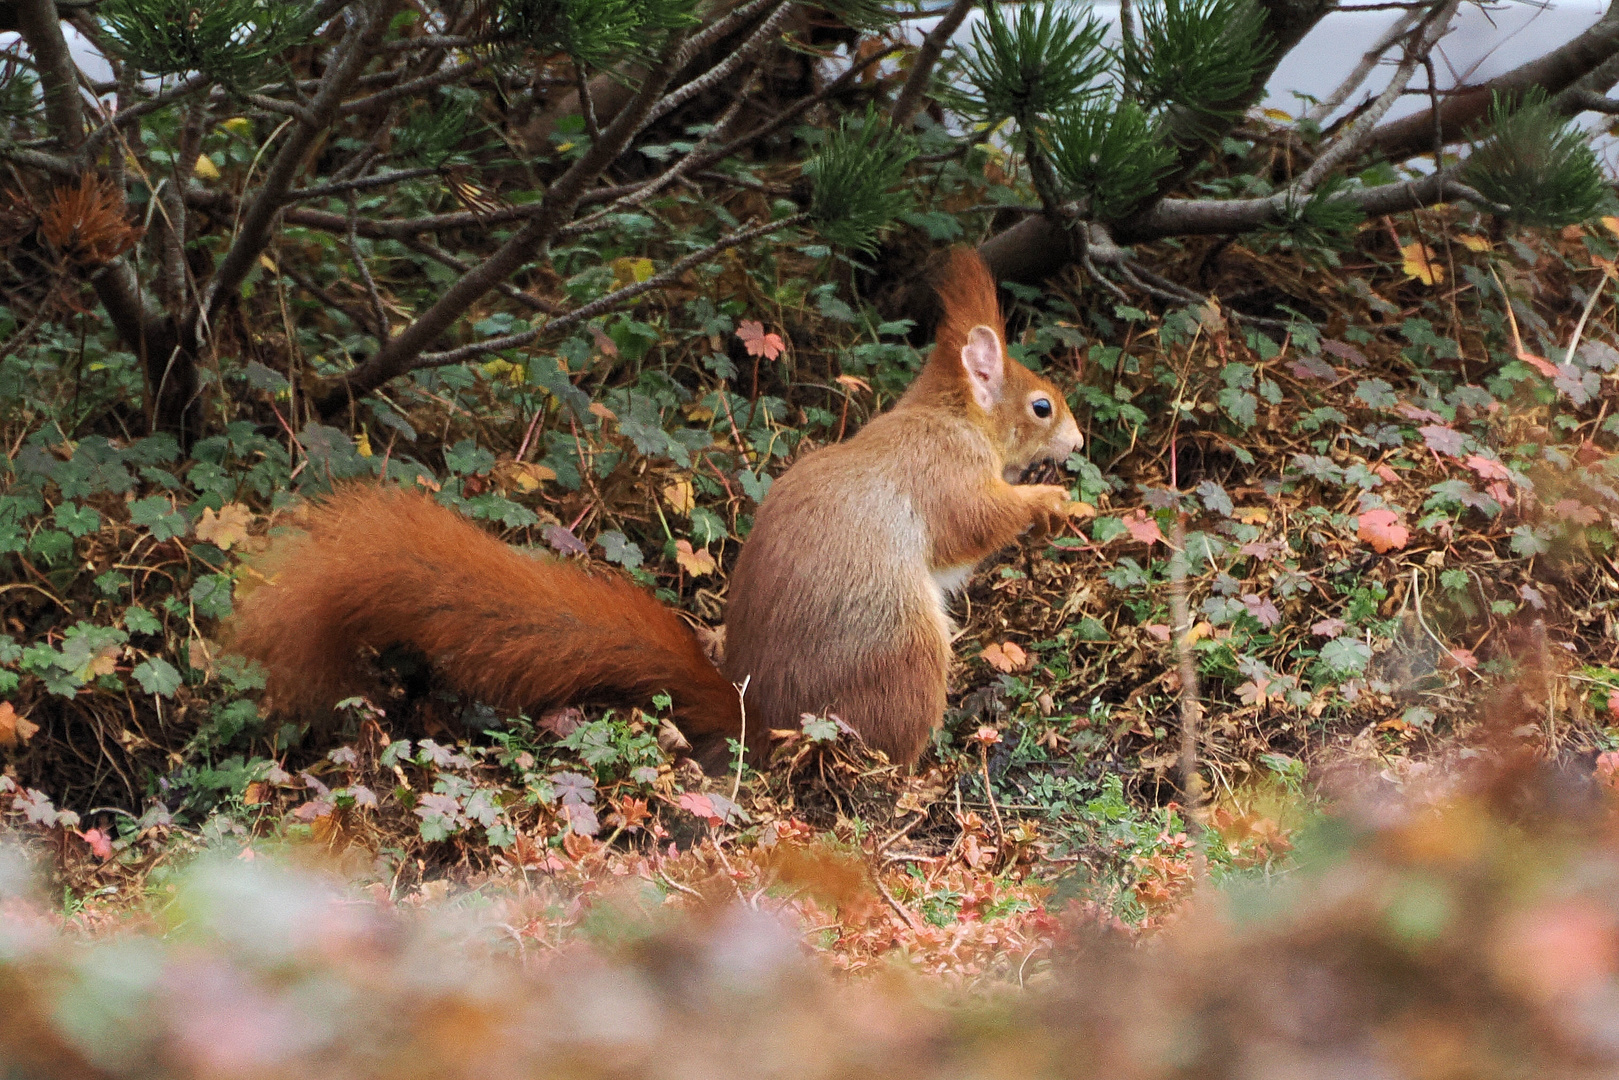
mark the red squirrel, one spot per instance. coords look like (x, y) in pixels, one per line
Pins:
(836, 603)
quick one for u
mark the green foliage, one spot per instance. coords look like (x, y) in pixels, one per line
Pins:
(855, 175)
(868, 15)
(1042, 61)
(1539, 164)
(1109, 154)
(1198, 55)
(596, 33)
(229, 40)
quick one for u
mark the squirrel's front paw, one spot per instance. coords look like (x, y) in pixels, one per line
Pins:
(1049, 509)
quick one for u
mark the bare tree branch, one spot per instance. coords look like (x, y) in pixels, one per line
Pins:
(399, 354)
(604, 304)
(1349, 142)
(1328, 105)
(914, 93)
(720, 72)
(254, 233)
(1553, 72)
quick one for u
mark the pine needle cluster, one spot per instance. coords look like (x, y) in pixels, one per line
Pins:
(1537, 163)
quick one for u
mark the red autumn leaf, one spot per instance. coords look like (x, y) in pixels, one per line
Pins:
(701, 806)
(631, 813)
(1488, 468)
(1344, 351)
(1443, 440)
(1160, 631)
(99, 842)
(1416, 412)
(1329, 628)
(1576, 511)
(757, 342)
(1262, 609)
(1382, 530)
(562, 539)
(1539, 363)
(1463, 658)
(1143, 528)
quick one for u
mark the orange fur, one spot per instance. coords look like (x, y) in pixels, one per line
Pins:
(836, 602)
(378, 567)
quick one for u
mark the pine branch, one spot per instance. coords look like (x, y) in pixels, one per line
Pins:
(41, 27)
(126, 117)
(1591, 101)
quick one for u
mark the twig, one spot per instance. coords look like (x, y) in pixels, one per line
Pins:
(989, 793)
(1328, 105)
(1350, 142)
(1416, 595)
(1191, 704)
(719, 72)
(606, 303)
(742, 734)
(378, 310)
(899, 908)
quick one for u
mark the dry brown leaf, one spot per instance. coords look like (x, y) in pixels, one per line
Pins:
(697, 563)
(1005, 657)
(679, 497)
(14, 729)
(225, 529)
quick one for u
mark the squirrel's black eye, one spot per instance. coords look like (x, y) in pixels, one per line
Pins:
(1041, 407)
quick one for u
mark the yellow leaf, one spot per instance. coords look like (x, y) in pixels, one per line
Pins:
(522, 475)
(1474, 243)
(1279, 116)
(701, 414)
(1199, 632)
(563, 148)
(1252, 515)
(697, 563)
(498, 370)
(628, 271)
(1611, 224)
(269, 264)
(597, 409)
(239, 125)
(362, 444)
(679, 497)
(206, 169)
(1421, 264)
(227, 528)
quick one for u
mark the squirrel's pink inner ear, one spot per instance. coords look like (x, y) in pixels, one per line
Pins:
(985, 365)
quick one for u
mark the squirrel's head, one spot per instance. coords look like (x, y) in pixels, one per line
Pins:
(1024, 415)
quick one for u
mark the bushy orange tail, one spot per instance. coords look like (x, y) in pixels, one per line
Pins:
(378, 567)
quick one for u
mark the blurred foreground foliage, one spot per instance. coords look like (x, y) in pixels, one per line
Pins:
(1464, 925)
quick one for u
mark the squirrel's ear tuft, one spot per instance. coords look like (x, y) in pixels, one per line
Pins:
(985, 364)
